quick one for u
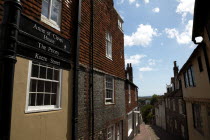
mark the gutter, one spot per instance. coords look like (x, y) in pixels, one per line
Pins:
(76, 77)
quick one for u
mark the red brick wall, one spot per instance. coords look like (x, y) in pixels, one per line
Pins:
(105, 19)
(133, 104)
(32, 9)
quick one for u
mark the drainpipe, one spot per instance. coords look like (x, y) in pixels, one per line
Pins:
(206, 59)
(8, 43)
(76, 77)
(91, 68)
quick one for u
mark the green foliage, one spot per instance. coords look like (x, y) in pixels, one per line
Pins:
(154, 99)
(146, 113)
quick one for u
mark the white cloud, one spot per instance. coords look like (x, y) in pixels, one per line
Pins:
(132, 1)
(146, 1)
(152, 62)
(137, 5)
(142, 37)
(183, 37)
(156, 10)
(143, 69)
(120, 1)
(184, 7)
(134, 59)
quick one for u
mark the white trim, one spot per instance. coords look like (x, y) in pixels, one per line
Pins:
(28, 85)
(112, 127)
(50, 22)
(113, 98)
(108, 35)
(31, 109)
(42, 110)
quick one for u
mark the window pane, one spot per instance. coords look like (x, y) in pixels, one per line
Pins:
(49, 73)
(56, 3)
(42, 72)
(48, 86)
(190, 78)
(47, 99)
(56, 75)
(54, 14)
(40, 98)
(32, 99)
(35, 70)
(54, 87)
(45, 8)
(40, 87)
(193, 76)
(53, 99)
(33, 85)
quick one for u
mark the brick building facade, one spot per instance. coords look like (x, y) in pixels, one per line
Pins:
(101, 59)
(131, 102)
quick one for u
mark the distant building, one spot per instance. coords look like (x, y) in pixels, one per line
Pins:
(170, 111)
(132, 110)
(160, 117)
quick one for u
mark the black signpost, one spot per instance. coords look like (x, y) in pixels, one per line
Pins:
(25, 38)
(37, 43)
(8, 42)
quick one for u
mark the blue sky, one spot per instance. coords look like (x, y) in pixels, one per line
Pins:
(156, 33)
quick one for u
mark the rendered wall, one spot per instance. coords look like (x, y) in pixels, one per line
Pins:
(52, 125)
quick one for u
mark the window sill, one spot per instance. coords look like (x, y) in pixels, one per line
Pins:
(41, 110)
(121, 29)
(109, 103)
(130, 131)
(109, 58)
(50, 23)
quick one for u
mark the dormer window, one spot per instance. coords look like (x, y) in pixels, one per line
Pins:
(120, 24)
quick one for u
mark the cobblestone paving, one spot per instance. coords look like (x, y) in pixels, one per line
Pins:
(148, 132)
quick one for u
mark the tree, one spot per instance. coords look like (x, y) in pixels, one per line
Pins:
(146, 113)
(154, 99)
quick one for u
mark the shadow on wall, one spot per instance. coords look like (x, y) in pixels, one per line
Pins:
(163, 135)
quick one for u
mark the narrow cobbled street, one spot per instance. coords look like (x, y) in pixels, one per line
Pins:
(151, 132)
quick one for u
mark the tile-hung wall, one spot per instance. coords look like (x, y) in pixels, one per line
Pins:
(108, 75)
(43, 94)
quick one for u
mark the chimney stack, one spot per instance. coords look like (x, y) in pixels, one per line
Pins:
(129, 72)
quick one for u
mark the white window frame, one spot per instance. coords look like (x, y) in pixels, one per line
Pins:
(129, 93)
(130, 123)
(107, 102)
(112, 132)
(49, 21)
(137, 117)
(31, 109)
(108, 50)
(119, 130)
(120, 24)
